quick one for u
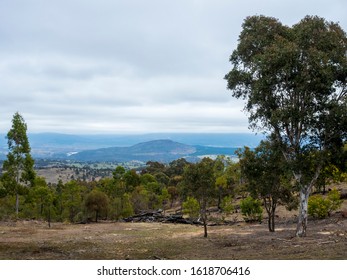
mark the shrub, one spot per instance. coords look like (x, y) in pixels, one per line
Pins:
(334, 197)
(227, 206)
(251, 209)
(3, 191)
(320, 207)
(96, 202)
(191, 208)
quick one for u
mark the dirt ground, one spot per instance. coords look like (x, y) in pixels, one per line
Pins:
(326, 239)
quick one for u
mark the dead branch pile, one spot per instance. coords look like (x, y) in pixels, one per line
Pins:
(158, 216)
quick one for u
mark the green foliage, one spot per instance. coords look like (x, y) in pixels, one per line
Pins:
(6, 207)
(39, 200)
(321, 207)
(18, 168)
(72, 197)
(266, 176)
(227, 205)
(200, 179)
(334, 197)
(3, 191)
(139, 199)
(330, 174)
(132, 180)
(177, 167)
(318, 206)
(251, 209)
(127, 208)
(191, 207)
(173, 194)
(165, 197)
(118, 173)
(147, 178)
(97, 201)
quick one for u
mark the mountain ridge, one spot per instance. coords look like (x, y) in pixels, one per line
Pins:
(161, 150)
(158, 150)
(58, 145)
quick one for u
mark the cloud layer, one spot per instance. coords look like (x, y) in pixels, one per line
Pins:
(129, 65)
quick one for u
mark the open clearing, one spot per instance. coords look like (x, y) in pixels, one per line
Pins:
(326, 239)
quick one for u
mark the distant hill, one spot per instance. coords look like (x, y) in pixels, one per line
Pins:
(58, 146)
(157, 150)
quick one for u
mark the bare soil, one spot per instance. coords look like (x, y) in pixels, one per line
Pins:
(326, 239)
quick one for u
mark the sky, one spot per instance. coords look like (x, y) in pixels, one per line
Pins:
(130, 66)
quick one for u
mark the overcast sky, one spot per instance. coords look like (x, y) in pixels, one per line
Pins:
(124, 66)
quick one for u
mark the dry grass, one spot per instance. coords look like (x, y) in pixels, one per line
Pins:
(326, 239)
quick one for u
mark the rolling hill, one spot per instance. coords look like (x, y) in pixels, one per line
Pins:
(66, 146)
(156, 150)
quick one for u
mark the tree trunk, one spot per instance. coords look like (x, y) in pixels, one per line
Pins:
(302, 219)
(270, 206)
(204, 217)
(17, 195)
(49, 216)
(272, 229)
(219, 198)
(305, 192)
(17, 204)
(205, 225)
(271, 220)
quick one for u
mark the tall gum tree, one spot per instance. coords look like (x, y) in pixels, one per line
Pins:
(19, 166)
(294, 82)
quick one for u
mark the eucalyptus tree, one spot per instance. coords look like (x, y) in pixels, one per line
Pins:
(18, 168)
(266, 176)
(294, 82)
(200, 180)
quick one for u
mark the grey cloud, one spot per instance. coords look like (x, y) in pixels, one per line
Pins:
(129, 65)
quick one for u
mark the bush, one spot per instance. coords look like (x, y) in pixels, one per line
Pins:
(127, 208)
(227, 206)
(320, 207)
(3, 191)
(251, 209)
(334, 197)
(96, 202)
(191, 208)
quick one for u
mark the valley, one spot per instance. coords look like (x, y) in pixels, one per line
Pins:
(93, 157)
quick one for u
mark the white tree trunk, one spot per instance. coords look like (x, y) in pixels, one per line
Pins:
(302, 219)
(305, 192)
